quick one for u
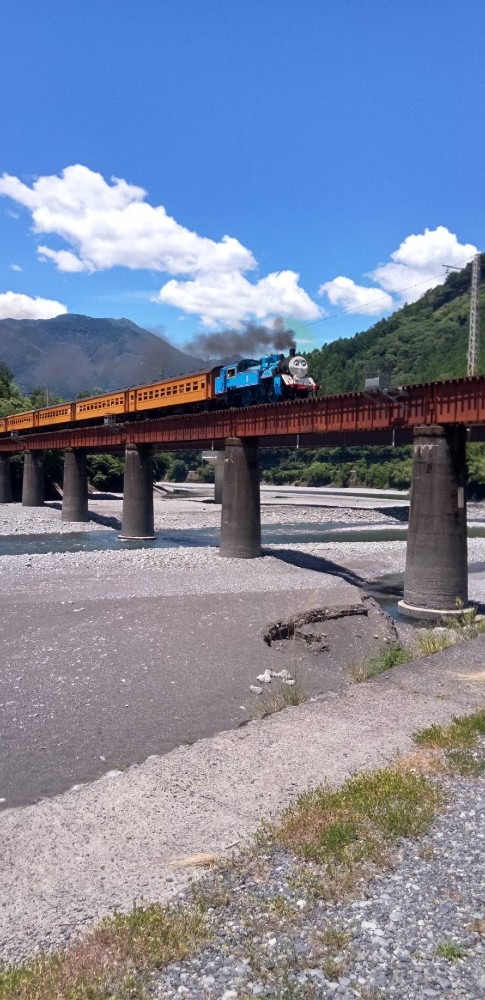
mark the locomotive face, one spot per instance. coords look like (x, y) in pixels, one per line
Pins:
(298, 367)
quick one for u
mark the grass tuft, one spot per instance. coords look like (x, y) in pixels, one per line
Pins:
(357, 823)
(430, 642)
(385, 659)
(457, 743)
(468, 625)
(276, 697)
(462, 733)
(450, 950)
(110, 962)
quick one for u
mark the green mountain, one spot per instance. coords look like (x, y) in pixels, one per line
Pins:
(71, 354)
(423, 341)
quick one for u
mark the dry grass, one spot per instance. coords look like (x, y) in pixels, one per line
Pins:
(477, 677)
(110, 962)
(426, 760)
(276, 697)
(200, 860)
(432, 642)
(479, 926)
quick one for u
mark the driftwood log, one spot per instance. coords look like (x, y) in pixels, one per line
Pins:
(292, 626)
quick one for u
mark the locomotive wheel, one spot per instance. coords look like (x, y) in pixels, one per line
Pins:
(260, 394)
(272, 397)
(246, 397)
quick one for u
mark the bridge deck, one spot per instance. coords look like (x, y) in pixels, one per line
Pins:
(356, 417)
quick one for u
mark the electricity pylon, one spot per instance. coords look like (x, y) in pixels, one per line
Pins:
(474, 332)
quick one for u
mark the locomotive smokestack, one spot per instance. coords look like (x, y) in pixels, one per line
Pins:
(292, 352)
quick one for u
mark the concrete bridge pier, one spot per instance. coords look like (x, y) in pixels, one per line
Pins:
(241, 514)
(33, 479)
(137, 516)
(436, 575)
(5, 478)
(75, 486)
(218, 477)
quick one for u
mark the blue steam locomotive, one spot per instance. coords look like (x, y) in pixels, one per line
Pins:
(268, 380)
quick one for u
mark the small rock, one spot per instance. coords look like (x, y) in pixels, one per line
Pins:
(255, 689)
(264, 678)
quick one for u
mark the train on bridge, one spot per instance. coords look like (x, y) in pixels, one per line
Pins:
(269, 379)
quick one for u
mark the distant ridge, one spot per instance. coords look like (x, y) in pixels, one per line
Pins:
(72, 354)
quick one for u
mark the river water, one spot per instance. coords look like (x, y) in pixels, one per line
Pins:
(272, 534)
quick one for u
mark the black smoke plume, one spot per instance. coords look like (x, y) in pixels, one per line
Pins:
(247, 342)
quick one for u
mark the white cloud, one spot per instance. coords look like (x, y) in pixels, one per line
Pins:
(15, 267)
(231, 300)
(417, 264)
(414, 267)
(112, 225)
(345, 293)
(14, 306)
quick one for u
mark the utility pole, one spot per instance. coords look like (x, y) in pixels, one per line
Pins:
(474, 331)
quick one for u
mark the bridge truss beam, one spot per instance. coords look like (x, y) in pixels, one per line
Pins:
(305, 422)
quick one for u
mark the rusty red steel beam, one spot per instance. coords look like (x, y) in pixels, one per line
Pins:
(457, 401)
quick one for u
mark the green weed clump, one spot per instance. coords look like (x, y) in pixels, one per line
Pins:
(386, 658)
(458, 742)
(110, 962)
(450, 950)
(357, 823)
(462, 733)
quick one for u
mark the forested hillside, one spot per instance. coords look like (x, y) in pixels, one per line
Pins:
(422, 341)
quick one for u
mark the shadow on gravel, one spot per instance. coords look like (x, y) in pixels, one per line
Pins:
(397, 513)
(316, 563)
(107, 522)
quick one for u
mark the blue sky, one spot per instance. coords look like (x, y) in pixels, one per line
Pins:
(195, 166)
